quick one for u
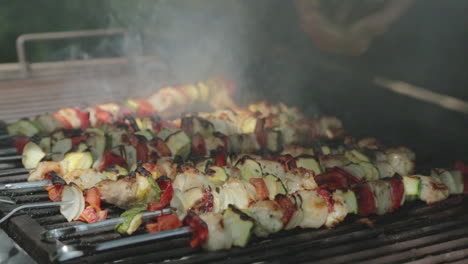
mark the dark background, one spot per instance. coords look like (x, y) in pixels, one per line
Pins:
(261, 45)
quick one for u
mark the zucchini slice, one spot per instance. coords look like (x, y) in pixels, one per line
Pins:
(239, 225)
(132, 220)
(459, 181)
(356, 156)
(308, 162)
(33, 154)
(273, 141)
(216, 175)
(371, 172)
(23, 128)
(60, 148)
(48, 123)
(146, 133)
(274, 185)
(46, 144)
(77, 160)
(97, 144)
(350, 200)
(249, 168)
(203, 127)
(412, 186)
(114, 171)
(179, 144)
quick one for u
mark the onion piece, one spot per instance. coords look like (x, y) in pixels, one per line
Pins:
(73, 210)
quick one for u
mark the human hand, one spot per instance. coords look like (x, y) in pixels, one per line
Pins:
(348, 26)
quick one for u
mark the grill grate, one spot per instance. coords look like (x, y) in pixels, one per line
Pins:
(417, 233)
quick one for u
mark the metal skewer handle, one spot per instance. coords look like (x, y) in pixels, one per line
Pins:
(8, 151)
(53, 234)
(69, 252)
(24, 185)
(14, 157)
(14, 171)
(30, 206)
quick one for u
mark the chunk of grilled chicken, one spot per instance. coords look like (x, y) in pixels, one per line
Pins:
(314, 207)
(188, 178)
(84, 178)
(298, 179)
(267, 215)
(339, 212)
(120, 193)
(401, 159)
(39, 173)
(218, 237)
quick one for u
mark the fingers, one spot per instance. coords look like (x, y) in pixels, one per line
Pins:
(378, 22)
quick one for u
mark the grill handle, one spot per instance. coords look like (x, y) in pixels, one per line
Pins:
(22, 39)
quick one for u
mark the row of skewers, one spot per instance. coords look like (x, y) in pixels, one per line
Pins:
(225, 174)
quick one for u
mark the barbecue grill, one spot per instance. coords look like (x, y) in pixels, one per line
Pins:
(416, 233)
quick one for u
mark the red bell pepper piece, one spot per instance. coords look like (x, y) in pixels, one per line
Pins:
(142, 151)
(198, 146)
(161, 147)
(328, 198)
(220, 157)
(260, 132)
(84, 118)
(92, 215)
(19, 143)
(366, 201)
(352, 180)
(76, 140)
(144, 108)
(261, 190)
(163, 223)
(288, 207)
(165, 185)
(102, 116)
(55, 192)
(331, 180)
(287, 162)
(398, 192)
(110, 158)
(93, 197)
(62, 120)
(199, 229)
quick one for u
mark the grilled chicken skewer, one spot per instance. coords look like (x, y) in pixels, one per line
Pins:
(198, 132)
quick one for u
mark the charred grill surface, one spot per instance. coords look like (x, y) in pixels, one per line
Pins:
(417, 233)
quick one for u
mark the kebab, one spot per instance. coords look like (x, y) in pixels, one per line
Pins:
(165, 102)
(304, 208)
(246, 169)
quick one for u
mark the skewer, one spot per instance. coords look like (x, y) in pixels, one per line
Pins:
(2, 137)
(8, 151)
(53, 234)
(24, 185)
(14, 171)
(15, 157)
(6, 200)
(30, 206)
(69, 252)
